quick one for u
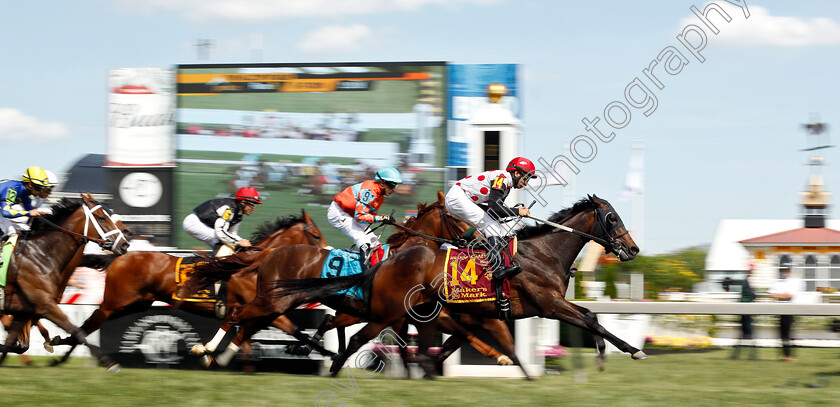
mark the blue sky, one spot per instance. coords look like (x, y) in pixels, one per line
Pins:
(723, 141)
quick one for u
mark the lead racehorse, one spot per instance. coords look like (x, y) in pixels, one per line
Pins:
(412, 279)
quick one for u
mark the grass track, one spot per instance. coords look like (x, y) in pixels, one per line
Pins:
(679, 379)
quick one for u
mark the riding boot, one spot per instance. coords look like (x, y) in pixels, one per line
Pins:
(496, 257)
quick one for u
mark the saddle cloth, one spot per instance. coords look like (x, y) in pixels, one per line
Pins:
(184, 269)
(466, 275)
(8, 249)
(343, 262)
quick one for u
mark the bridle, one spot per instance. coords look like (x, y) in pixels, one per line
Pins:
(610, 242)
(102, 241)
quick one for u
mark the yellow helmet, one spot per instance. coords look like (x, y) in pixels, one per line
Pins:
(37, 176)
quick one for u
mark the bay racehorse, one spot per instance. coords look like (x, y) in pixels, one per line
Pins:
(431, 231)
(432, 226)
(136, 280)
(414, 280)
(45, 258)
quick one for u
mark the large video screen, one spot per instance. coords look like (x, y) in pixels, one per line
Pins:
(301, 133)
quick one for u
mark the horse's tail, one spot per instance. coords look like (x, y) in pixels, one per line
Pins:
(223, 268)
(319, 289)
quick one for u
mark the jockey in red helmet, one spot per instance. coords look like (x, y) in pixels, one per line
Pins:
(216, 221)
(491, 188)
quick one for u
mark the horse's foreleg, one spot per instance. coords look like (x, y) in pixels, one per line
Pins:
(247, 328)
(53, 313)
(601, 347)
(584, 318)
(210, 347)
(45, 335)
(91, 324)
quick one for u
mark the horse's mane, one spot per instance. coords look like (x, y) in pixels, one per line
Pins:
(400, 237)
(557, 217)
(268, 228)
(60, 211)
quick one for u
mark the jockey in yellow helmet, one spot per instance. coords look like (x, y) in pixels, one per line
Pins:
(34, 187)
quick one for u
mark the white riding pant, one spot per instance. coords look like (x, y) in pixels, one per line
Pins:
(195, 228)
(350, 227)
(12, 226)
(459, 205)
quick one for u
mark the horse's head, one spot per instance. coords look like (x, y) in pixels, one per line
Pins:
(100, 225)
(608, 226)
(289, 230)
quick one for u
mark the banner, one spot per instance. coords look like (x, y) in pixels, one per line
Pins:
(141, 112)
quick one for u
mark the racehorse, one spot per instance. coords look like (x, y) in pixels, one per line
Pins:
(134, 281)
(424, 230)
(432, 226)
(46, 257)
(411, 280)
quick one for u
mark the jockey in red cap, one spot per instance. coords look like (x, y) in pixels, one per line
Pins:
(216, 221)
(491, 188)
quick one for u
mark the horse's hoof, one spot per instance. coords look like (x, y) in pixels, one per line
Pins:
(207, 361)
(640, 355)
(48, 347)
(601, 363)
(115, 368)
(198, 350)
(504, 360)
(55, 341)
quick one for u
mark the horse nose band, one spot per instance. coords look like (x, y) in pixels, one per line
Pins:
(109, 242)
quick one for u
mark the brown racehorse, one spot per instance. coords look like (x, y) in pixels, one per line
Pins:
(412, 280)
(134, 281)
(430, 227)
(46, 257)
(416, 232)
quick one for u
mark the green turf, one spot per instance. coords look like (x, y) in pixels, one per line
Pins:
(672, 380)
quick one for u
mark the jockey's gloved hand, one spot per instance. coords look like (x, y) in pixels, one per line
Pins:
(388, 220)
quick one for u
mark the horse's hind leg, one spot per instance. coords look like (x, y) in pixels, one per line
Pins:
(91, 324)
(356, 341)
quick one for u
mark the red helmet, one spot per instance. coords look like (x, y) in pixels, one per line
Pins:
(249, 195)
(522, 164)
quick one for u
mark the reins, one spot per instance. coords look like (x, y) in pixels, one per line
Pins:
(70, 232)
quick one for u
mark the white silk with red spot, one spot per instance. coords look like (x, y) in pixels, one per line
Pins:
(477, 187)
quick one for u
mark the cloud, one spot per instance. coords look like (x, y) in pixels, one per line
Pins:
(268, 10)
(336, 39)
(15, 125)
(761, 28)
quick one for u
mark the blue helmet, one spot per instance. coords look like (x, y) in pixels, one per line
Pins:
(389, 174)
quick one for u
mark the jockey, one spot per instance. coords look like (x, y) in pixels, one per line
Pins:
(357, 206)
(491, 187)
(216, 221)
(22, 198)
